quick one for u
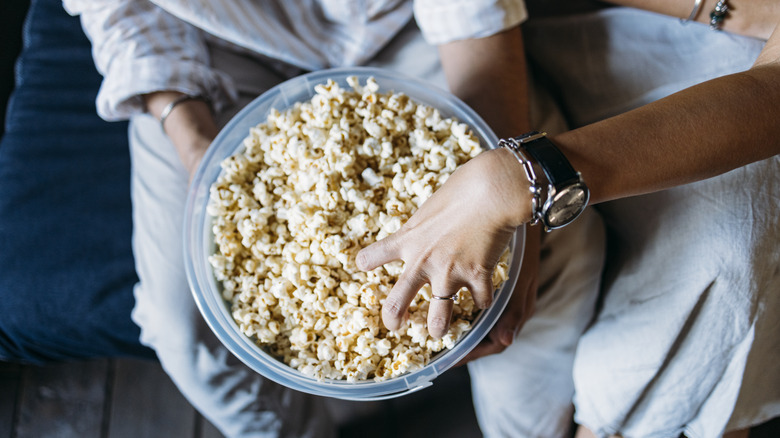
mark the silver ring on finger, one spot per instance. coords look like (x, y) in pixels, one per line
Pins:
(450, 298)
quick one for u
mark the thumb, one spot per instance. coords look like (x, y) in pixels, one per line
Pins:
(508, 325)
(517, 312)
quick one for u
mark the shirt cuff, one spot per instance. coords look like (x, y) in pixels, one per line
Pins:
(443, 21)
(119, 96)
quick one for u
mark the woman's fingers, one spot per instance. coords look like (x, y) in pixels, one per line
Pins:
(482, 289)
(397, 302)
(439, 315)
(511, 319)
(487, 347)
(447, 245)
(378, 253)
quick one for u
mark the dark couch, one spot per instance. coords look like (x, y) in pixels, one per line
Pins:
(66, 267)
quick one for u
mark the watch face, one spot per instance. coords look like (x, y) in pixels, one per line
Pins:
(566, 205)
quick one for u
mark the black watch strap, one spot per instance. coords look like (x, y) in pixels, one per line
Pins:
(556, 167)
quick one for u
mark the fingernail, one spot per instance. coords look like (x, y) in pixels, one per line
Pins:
(360, 261)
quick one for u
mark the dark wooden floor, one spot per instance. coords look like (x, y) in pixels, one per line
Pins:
(116, 398)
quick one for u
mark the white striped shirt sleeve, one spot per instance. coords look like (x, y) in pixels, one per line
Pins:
(139, 48)
(443, 21)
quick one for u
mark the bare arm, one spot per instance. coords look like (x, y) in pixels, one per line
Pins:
(700, 132)
(754, 18)
(190, 126)
(149, 57)
(490, 75)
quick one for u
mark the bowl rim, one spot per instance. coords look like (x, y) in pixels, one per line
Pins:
(205, 289)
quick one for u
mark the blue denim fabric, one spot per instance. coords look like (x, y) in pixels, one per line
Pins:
(66, 265)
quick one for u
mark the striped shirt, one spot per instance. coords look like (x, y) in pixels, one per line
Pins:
(141, 46)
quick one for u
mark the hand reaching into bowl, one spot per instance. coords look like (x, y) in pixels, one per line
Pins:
(455, 239)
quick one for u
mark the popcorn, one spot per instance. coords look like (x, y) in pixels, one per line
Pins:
(313, 185)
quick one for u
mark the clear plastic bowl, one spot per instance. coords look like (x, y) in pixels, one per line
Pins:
(199, 242)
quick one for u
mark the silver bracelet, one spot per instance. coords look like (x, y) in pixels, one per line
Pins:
(168, 108)
(718, 14)
(535, 188)
(694, 12)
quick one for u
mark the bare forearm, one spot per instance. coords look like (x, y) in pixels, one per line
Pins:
(490, 75)
(698, 133)
(190, 126)
(756, 18)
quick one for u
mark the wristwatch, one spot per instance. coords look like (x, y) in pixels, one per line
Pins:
(566, 195)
